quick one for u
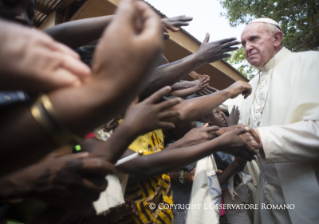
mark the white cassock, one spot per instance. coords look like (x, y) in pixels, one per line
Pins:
(284, 106)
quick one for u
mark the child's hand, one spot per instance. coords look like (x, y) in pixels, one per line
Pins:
(151, 114)
(233, 117)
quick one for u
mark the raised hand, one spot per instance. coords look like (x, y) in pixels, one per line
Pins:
(215, 51)
(69, 182)
(33, 61)
(134, 38)
(203, 82)
(238, 88)
(174, 23)
(233, 116)
(151, 114)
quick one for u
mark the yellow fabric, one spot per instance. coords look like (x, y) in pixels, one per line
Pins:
(155, 190)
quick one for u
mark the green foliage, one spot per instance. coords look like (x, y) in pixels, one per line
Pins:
(299, 20)
(238, 60)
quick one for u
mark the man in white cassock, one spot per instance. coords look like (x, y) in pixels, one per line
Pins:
(284, 110)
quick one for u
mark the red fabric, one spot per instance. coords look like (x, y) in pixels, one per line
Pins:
(89, 135)
(222, 211)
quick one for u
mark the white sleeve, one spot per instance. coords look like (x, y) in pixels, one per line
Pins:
(295, 142)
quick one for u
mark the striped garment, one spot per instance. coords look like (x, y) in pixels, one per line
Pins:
(151, 191)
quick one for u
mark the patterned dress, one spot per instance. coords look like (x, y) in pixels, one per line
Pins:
(153, 196)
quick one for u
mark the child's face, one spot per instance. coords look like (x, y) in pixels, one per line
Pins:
(216, 118)
(20, 11)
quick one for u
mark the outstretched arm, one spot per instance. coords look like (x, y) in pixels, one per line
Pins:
(99, 97)
(203, 82)
(80, 32)
(170, 73)
(177, 158)
(196, 108)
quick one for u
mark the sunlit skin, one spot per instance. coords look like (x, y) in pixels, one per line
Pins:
(260, 44)
(18, 11)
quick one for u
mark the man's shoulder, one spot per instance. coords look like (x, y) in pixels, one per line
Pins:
(309, 55)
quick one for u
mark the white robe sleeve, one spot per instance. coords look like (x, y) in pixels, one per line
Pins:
(297, 142)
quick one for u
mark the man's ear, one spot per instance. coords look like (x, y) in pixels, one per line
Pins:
(278, 38)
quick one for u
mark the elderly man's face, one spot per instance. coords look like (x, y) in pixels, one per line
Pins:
(259, 44)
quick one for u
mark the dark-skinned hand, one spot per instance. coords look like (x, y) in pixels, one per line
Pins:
(251, 137)
(174, 23)
(151, 113)
(238, 88)
(233, 116)
(70, 182)
(198, 135)
(233, 143)
(214, 51)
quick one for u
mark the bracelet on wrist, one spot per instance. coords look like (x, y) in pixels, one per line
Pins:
(44, 114)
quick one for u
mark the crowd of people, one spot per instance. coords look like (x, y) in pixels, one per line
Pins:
(104, 129)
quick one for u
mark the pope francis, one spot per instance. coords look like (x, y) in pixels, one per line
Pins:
(284, 110)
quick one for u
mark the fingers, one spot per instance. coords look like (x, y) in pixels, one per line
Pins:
(183, 18)
(168, 104)
(81, 155)
(151, 21)
(223, 41)
(94, 166)
(157, 96)
(168, 114)
(126, 15)
(211, 128)
(206, 40)
(75, 66)
(166, 125)
(55, 46)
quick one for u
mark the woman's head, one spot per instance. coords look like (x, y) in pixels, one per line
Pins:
(215, 117)
(20, 11)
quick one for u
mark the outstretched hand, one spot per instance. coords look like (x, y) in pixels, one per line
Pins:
(174, 23)
(198, 135)
(214, 51)
(234, 143)
(238, 88)
(151, 114)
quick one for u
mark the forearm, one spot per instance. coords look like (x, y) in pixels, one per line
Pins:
(80, 32)
(184, 92)
(168, 160)
(167, 75)
(196, 108)
(117, 144)
(297, 142)
(182, 85)
(228, 172)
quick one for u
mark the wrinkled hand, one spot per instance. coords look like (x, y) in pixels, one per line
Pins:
(198, 135)
(215, 51)
(69, 182)
(233, 143)
(151, 114)
(32, 61)
(233, 116)
(173, 24)
(238, 88)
